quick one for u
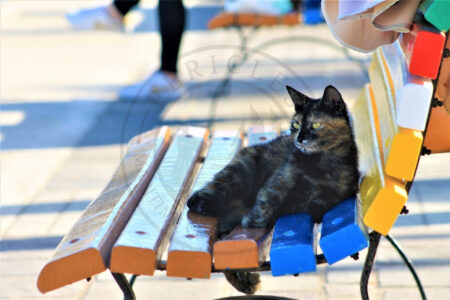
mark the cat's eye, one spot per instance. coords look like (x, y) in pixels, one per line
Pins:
(316, 125)
(295, 125)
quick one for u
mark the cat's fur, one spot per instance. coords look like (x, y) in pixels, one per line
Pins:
(309, 170)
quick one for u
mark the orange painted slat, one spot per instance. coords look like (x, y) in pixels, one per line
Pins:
(243, 248)
(221, 20)
(246, 247)
(291, 19)
(251, 19)
(85, 249)
(190, 251)
(437, 138)
(143, 240)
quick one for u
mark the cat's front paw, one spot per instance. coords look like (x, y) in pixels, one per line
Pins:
(200, 202)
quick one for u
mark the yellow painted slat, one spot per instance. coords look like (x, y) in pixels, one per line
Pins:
(382, 197)
(400, 147)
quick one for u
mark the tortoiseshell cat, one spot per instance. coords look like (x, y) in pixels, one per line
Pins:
(310, 170)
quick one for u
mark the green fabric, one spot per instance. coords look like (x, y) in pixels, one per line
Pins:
(437, 12)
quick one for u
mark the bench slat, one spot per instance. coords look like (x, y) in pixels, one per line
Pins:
(343, 232)
(142, 242)
(437, 138)
(423, 47)
(382, 197)
(294, 244)
(226, 19)
(190, 251)
(412, 93)
(85, 250)
(400, 146)
(245, 247)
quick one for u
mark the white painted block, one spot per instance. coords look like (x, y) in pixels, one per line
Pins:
(412, 94)
(413, 104)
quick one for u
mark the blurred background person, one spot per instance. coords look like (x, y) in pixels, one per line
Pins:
(164, 83)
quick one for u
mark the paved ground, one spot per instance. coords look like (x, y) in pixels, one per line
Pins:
(71, 100)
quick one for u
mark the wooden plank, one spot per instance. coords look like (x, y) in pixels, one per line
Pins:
(261, 134)
(291, 19)
(294, 244)
(423, 47)
(225, 19)
(190, 251)
(437, 13)
(437, 138)
(245, 247)
(443, 84)
(396, 144)
(143, 240)
(85, 250)
(382, 197)
(221, 20)
(412, 93)
(343, 232)
(245, 19)
(413, 103)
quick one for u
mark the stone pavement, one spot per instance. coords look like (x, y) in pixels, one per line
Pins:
(71, 100)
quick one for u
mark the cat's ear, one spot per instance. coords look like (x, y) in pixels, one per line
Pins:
(332, 99)
(298, 98)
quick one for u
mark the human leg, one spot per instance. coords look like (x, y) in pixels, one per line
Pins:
(124, 6)
(172, 16)
(164, 84)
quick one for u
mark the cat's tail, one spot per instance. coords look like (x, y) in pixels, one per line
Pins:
(244, 282)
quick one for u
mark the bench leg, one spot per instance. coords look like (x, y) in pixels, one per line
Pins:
(368, 264)
(125, 286)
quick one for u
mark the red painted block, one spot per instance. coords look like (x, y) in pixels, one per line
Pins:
(423, 48)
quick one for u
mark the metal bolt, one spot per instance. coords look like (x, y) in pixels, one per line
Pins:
(446, 53)
(404, 211)
(425, 151)
(436, 102)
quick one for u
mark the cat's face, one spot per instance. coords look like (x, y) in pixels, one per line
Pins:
(319, 124)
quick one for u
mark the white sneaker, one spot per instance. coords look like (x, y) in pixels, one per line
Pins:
(94, 18)
(163, 88)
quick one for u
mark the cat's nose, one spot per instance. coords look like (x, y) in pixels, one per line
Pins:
(302, 141)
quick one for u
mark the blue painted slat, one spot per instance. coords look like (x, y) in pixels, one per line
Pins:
(343, 232)
(293, 245)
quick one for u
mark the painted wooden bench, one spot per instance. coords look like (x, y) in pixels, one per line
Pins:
(142, 211)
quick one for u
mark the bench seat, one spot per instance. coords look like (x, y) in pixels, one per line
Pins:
(135, 219)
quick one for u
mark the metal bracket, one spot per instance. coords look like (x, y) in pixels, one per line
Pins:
(368, 264)
(125, 286)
